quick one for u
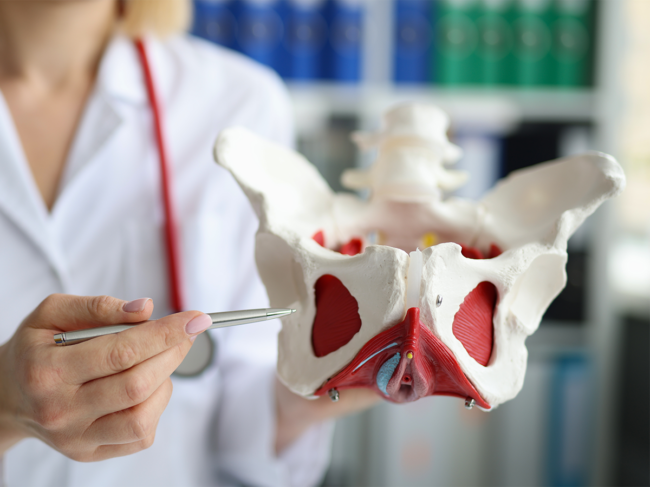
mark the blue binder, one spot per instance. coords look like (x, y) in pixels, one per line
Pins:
(305, 39)
(344, 48)
(571, 416)
(260, 31)
(413, 41)
(214, 21)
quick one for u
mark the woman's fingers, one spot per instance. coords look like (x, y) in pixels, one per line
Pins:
(131, 387)
(112, 354)
(41, 382)
(131, 425)
(66, 312)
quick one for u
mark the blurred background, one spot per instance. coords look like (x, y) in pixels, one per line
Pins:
(524, 81)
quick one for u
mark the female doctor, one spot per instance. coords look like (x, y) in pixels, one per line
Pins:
(89, 209)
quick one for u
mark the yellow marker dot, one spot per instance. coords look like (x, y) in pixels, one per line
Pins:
(429, 239)
(409, 355)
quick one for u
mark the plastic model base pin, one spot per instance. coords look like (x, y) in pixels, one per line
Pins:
(367, 277)
(333, 394)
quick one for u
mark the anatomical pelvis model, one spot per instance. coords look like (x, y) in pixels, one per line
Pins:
(406, 292)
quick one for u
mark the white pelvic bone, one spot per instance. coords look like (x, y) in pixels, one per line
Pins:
(530, 215)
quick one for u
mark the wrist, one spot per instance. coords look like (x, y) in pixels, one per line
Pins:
(10, 431)
(294, 415)
(9, 436)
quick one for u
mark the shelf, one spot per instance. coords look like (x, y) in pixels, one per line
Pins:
(496, 109)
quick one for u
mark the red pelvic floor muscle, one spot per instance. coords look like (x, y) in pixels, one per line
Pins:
(471, 252)
(474, 253)
(495, 251)
(319, 238)
(337, 317)
(432, 370)
(353, 247)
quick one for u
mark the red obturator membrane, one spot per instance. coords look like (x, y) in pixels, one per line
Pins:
(337, 317)
(473, 322)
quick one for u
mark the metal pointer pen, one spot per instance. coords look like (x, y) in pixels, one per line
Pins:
(219, 320)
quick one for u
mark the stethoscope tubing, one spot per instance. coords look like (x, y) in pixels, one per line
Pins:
(172, 246)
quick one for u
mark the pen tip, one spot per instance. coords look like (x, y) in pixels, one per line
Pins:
(293, 310)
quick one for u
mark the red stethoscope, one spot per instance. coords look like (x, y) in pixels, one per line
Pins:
(202, 351)
(171, 227)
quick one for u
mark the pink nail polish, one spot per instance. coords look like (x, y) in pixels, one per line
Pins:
(198, 324)
(136, 305)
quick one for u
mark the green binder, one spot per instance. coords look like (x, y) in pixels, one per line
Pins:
(573, 42)
(496, 42)
(456, 54)
(533, 32)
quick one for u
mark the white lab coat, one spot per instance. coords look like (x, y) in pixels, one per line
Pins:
(104, 236)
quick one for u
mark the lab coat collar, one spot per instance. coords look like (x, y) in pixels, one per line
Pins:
(120, 87)
(119, 80)
(121, 75)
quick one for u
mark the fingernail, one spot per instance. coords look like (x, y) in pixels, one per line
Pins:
(136, 305)
(198, 324)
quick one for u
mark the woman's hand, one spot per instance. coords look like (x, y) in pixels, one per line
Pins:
(98, 399)
(295, 414)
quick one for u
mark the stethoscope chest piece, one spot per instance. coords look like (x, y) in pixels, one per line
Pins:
(199, 357)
